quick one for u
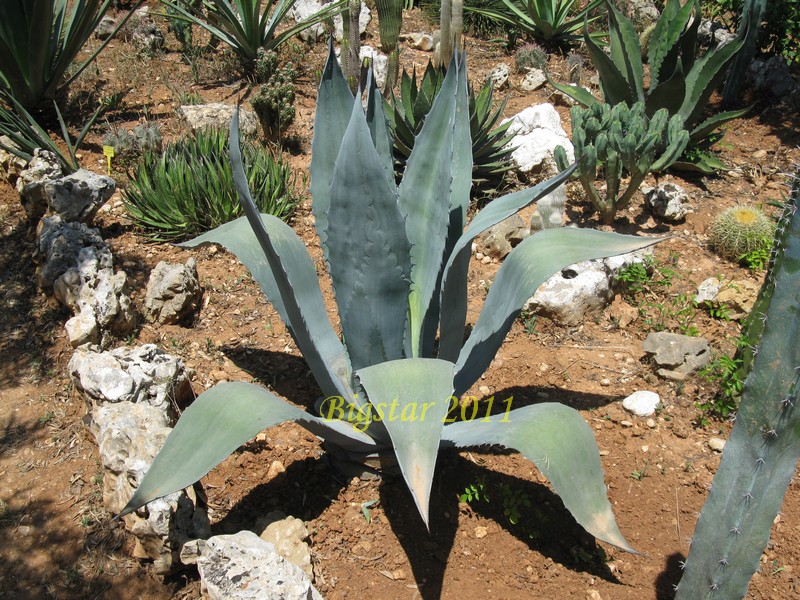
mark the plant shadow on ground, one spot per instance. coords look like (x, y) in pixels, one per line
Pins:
(30, 324)
(670, 576)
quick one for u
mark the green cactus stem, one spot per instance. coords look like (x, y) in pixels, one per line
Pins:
(761, 456)
(739, 230)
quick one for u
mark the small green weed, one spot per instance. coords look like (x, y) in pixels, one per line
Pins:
(475, 492)
(639, 474)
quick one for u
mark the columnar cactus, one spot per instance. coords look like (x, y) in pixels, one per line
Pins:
(621, 138)
(761, 456)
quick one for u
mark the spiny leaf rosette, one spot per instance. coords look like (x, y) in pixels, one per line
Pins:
(398, 257)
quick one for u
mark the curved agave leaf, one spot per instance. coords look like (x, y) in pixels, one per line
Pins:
(668, 94)
(378, 127)
(663, 51)
(626, 53)
(576, 92)
(424, 201)
(369, 252)
(561, 444)
(616, 82)
(334, 107)
(414, 396)
(454, 282)
(216, 424)
(527, 267)
(707, 127)
(288, 278)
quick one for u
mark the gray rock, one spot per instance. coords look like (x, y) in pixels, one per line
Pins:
(32, 181)
(105, 28)
(380, 64)
(146, 37)
(79, 196)
(737, 297)
(708, 290)
(82, 329)
(549, 211)
(771, 76)
(173, 293)
(140, 375)
(678, 356)
(218, 115)
(499, 76)
(668, 201)
(303, 9)
(583, 288)
(93, 286)
(642, 403)
(643, 13)
(59, 246)
(537, 132)
(712, 34)
(533, 80)
(128, 437)
(11, 165)
(498, 240)
(288, 535)
(716, 444)
(420, 41)
(244, 567)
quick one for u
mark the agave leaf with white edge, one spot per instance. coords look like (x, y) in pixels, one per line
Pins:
(558, 440)
(414, 394)
(217, 423)
(527, 267)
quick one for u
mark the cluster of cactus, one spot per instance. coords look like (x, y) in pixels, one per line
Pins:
(741, 230)
(761, 455)
(130, 145)
(273, 103)
(680, 80)
(491, 155)
(621, 139)
(530, 56)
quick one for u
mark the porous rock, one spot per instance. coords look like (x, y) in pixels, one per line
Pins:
(128, 437)
(708, 290)
(499, 239)
(580, 289)
(31, 183)
(173, 293)
(105, 28)
(678, 356)
(537, 131)
(668, 201)
(139, 375)
(419, 41)
(498, 76)
(58, 248)
(11, 165)
(218, 115)
(533, 80)
(242, 566)
(772, 76)
(78, 197)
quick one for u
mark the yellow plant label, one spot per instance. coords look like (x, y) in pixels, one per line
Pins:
(109, 152)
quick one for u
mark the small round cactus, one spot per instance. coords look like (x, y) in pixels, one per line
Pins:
(740, 230)
(530, 56)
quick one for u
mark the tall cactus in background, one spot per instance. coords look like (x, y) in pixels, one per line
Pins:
(621, 139)
(761, 456)
(451, 25)
(351, 44)
(750, 24)
(390, 20)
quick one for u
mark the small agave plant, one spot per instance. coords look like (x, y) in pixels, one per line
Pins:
(398, 257)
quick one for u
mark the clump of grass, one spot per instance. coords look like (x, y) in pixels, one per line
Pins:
(188, 189)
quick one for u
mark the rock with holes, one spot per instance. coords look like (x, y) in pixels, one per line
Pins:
(128, 437)
(32, 181)
(173, 293)
(668, 201)
(533, 80)
(499, 239)
(581, 289)
(58, 248)
(676, 355)
(78, 197)
(498, 76)
(11, 165)
(139, 374)
(242, 566)
(537, 131)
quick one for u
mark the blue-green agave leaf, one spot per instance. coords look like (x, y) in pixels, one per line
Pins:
(454, 284)
(287, 277)
(378, 128)
(368, 250)
(217, 423)
(617, 83)
(712, 123)
(576, 92)
(557, 439)
(334, 107)
(663, 50)
(527, 267)
(625, 52)
(420, 391)
(424, 201)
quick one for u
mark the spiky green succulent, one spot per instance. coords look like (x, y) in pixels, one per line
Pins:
(739, 230)
(398, 258)
(491, 154)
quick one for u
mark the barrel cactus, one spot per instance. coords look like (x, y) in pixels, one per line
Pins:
(740, 230)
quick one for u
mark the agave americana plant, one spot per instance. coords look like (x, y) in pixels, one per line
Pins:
(680, 81)
(246, 27)
(398, 257)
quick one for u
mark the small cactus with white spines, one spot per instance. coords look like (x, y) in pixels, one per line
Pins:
(740, 230)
